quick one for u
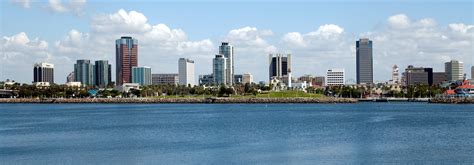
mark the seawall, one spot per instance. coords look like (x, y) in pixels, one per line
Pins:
(458, 100)
(180, 100)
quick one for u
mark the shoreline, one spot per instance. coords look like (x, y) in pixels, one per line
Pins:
(301, 100)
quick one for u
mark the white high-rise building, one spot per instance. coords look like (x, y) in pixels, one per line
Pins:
(186, 71)
(228, 52)
(219, 68)
(395, 74)
(335, 77)
(454, 69)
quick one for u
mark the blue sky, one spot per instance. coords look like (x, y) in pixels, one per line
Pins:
(214, 20)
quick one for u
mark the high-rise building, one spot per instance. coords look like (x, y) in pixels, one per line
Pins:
(228, 52)
(186, 71)
(418, 76)
(335, 77)
(84, 72)
(166, 78)
(43, 72)
(70, 77)
(364, 61)
(395, 74)
(247, 78)
(102, 72)
(454, 70)
(141, 75)
(279, 66)
(219, 67)
(126, 57)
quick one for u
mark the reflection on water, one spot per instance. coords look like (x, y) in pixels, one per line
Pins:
(244, 134)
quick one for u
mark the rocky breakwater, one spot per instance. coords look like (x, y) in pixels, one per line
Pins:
(457, 100)
(217, 100)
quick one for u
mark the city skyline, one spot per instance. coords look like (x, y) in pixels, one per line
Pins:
(317, 41)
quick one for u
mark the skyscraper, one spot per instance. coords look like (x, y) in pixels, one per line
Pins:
(395, 74)
(228, 52)
(83, 72)
(70, 77)
(141, 75)
(364, 61)
(454, 70)
(102, 73)
(279, 66)
(219, 67)
(43, 72)
(186, 71)
(126, 49)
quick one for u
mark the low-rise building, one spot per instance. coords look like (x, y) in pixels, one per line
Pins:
(165, 78)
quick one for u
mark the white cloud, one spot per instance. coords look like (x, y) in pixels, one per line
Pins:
(399, 21)
(75, 6)
(22, 3)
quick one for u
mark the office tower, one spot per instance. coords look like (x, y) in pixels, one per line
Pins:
(279, 66)
(70, 77)
(166, 78)
(186, 71)
(101, 73)
(84, 72)
(418, 76)
(364, 61)
(335, 77)
(228, 52)
(126, 57)
(247, 78)
(207, 79)
(219, 67)
(454, 70)
(395, 74)
(43, 72)
(141, 75)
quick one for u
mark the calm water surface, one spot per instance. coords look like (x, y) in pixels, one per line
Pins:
(364, 133)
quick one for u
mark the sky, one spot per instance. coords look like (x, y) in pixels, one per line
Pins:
(320, 35)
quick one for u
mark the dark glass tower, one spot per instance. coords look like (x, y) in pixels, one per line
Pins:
(364, 61)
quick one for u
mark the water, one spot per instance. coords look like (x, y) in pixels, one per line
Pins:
(364, 133)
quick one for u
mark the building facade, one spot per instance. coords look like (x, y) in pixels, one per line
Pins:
(43, 72)
(126, 57)
(395, 74)
(335, 77)
(207, 79)
(279, 66)
(439, 77)
(418, 76)
(84, 72)
(166, 78)
(247, 78)
(70, 77)
(454, 70)
(186, 71)
(141, 75)
(364, 61)
(228, 52)
(219, 70)
(319, 81)
(472, 72)
(238, 78)
(102, 73)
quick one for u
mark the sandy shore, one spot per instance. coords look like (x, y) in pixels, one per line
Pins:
(180, 100)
